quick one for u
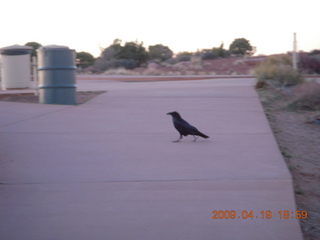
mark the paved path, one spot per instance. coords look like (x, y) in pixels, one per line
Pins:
(108, 169)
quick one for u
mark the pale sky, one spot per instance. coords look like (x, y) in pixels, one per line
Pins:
(179, 24)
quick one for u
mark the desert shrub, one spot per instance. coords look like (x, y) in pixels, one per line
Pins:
(120, 71)
(184, 65)
(100, 65)
(213, 53)
(220, 52)
(103, 64)
(165, 64)
(152, 72)
(126, 63)
(196, 62)
(93, 70)
(279, 71)
(307, 97)
(184, 56)
(207, 54)
(171, 61)
(309, 63)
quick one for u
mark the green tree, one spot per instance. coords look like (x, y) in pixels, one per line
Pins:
(35, 46)
(220, 51)
(160, 52)
(85, 59)
(130, 55)
(112, 51)
(133, 51)
(241, 46)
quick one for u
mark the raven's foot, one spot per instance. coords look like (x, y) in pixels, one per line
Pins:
(178, 140)
(195, 138)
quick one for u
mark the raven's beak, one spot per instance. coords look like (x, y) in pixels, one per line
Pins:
(169, 113)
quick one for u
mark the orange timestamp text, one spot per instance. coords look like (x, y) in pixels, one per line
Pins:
(264, 214)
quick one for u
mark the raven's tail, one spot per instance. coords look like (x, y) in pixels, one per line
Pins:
(202, 135)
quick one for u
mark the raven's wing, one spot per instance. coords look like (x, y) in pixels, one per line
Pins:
(184, 128)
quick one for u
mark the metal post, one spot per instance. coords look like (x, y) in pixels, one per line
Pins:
(294, 53)
(35, 75)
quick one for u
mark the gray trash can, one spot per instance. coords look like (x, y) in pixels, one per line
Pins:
(56, 73)
(15, 67)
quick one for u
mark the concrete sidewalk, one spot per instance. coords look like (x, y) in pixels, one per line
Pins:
(108, 169)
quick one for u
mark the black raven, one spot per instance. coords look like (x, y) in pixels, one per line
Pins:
(184, 128)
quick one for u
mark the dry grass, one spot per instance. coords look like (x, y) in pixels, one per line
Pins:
(307, 97)
(304, 96)
(196, 62)
(277, 69)
(152, 72)
(119, 71)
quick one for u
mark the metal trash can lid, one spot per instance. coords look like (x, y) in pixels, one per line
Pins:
(15, 50)
(53, 48)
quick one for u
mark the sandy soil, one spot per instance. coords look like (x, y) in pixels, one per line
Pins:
(298, 138)
(82, 97)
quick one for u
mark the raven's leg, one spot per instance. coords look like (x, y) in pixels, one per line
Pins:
(178, 139)
(195, 138)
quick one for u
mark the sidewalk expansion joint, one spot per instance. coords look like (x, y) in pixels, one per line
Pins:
(142, 181)
(41, 115)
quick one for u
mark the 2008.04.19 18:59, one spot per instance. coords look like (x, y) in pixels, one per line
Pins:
(226, 214)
